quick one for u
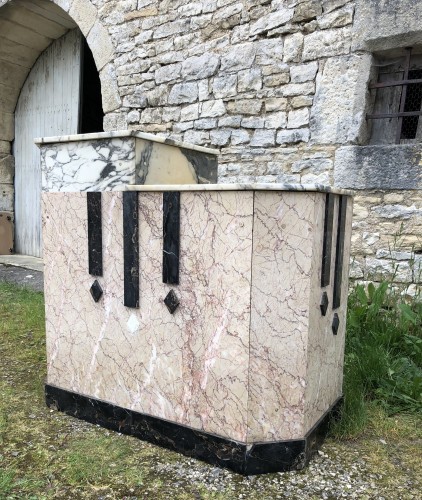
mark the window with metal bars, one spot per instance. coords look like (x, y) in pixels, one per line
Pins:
(397, 101)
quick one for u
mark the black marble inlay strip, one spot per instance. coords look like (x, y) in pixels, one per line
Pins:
(95, 234)
(328, 240)
(338, 269)
(255, 458)
(171, 237)
(131, 248)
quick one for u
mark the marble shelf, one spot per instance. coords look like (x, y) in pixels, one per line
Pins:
(239, 187)
(214, 321)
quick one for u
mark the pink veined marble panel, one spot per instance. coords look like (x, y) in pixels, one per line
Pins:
(284, 229)
(325, 350)
(190, 367)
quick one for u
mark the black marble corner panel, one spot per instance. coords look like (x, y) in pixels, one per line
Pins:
(338, 269)
(171, 237)
(258, 458)
(131, 248)
(95, 234)
(327, 240)
(204, 164)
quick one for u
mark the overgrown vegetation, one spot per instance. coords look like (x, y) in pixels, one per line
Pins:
(383, 360)
(45, 454)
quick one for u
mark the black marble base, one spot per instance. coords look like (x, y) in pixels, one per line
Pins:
(248, 459)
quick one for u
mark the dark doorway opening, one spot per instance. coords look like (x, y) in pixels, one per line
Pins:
(91, 110)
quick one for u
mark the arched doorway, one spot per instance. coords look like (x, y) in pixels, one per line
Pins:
(31, 33)
(61, 96)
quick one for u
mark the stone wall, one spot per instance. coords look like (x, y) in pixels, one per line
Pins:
(240, 76)
(278, 86)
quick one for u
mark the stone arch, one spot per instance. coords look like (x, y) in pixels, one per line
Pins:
(27, 28)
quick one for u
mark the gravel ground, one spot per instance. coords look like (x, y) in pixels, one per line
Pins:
(22, 277)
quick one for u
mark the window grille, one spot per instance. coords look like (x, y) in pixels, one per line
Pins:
(406, 105)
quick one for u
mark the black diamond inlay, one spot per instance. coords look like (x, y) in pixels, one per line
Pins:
(324, 303)
(336, 324)
(171, 301)
(96, 291)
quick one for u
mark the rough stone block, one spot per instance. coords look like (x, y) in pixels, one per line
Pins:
(298, 118)
(269, 52)
(213, 108)
(276, 120)
(7, 169)
(190, 112)
(275, 104)
(239, 57)
(397, 211)
(249, 79)
(7, 126)
(293, 89)
(303, 72)
(338, 112)
(183, 92)
(253, 122)
(379, 167)
(239, 137)
(245, 106)
(199, 67)
(109, 89)
(307, 10)
(337, 19)
(7, 192)
(225, 86)
(293, 45)
(168, 73)
(263, 138)
(100, 43)
(220, 137)
(327, 43)
(293, 136)
(271, 20)
(84, 14)
(196, 137)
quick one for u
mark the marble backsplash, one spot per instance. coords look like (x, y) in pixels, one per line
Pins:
(110, 161)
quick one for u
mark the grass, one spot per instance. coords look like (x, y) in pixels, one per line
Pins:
(383, 360)
(45, 454)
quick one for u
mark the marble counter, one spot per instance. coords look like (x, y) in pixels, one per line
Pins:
(208, 319)
(110, 160)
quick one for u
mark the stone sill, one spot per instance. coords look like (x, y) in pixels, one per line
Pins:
(379, 167)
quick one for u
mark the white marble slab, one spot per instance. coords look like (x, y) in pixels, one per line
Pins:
(239, 187)
(120, 134)
(110, 161)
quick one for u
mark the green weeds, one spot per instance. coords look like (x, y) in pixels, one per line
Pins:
(383, 360)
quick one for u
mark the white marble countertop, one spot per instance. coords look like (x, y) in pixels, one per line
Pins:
(237, 187)
(40, 141)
